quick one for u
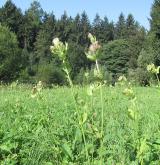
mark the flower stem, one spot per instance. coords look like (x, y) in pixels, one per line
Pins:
(102, 108)
(81, 126)
(158, 79)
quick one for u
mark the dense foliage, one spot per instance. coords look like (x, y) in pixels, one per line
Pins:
(10, 55)
(131, 43)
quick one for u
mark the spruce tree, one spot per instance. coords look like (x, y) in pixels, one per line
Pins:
(155, 18)
(155, 30)
(130, 26)
(32, 22)
(97, 28)
(120, 29)
(12, 17)
(44, 39)
(85, 28)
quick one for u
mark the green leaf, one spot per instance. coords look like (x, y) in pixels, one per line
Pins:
(91, 57)
(78, 135)
(85, 115)
(67, 150)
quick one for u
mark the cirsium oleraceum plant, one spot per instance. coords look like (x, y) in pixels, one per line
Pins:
(154, 70)
(61, 49)
(93, 55)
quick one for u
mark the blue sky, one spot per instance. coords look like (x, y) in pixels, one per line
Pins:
(110, 8)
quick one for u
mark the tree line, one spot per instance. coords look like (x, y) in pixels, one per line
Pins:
(25, 39)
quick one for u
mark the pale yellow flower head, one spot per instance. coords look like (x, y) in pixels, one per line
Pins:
(56, 41)
(93, 48)
(153, 69)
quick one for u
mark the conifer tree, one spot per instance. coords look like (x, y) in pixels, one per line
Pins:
(12, 17)
(120, 29)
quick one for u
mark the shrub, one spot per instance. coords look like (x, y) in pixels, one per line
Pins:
(49, 74)
(10, 55)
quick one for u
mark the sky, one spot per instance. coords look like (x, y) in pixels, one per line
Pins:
(110, 8)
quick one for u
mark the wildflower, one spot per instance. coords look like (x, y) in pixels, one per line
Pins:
(34, 92)
(56, 41)
(122, 78)
(91, 38)
(130, 93)
(93, 49)
(122, 81)
(36, 89)
(59, 48)
(39, 86)
(153, 69)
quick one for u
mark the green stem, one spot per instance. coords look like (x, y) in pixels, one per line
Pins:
(84, 139)
(97, 66)
(81, 126)
(102, 108)
(92, 110)
(69, 78)
(158, 79)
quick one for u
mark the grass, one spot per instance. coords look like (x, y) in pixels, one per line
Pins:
(43, 130)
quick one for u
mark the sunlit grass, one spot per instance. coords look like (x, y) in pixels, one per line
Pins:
(33, 130)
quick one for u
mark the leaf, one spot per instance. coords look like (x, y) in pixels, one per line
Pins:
(78, 135)
(157, 70)
(85, 115)
(91, 57)
(132, 114)
(5, 148)
(67, 150)
(8, 146)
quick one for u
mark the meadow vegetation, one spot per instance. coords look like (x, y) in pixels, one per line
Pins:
(45, 130)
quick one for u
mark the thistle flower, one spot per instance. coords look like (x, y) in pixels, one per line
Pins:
(59, 48)
(91, 38)
(34, 92)
(122, 78)
(36, 89)
(56, 41)
(153, 69)
(93, 49)
(130, 93)
(39, 86)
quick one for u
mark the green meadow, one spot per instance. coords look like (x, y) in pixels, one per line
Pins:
(45, 129)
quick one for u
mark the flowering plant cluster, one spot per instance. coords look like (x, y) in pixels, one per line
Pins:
(59, 49)
(153, 69)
